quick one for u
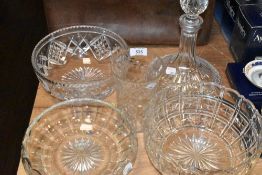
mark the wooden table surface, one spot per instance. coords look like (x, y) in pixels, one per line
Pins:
(216, 52)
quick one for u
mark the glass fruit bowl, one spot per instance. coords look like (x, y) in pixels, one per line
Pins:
(80, 136)
(74, 62)
(211, 131)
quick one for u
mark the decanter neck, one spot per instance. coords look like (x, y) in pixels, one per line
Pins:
(190, 23)
(189, 29)
(187, 44)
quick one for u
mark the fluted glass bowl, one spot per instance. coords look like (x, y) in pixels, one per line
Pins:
(80, 136)
(74, 62)
(211, 131)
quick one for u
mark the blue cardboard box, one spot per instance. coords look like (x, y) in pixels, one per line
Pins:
(230, 14)
(246, 43)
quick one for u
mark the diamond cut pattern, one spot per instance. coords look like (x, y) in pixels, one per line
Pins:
(43, 64)
(78, 47)
(56, 53)
(78, 44)
(100, 46)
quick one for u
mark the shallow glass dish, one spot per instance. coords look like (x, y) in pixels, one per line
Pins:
(74, 62)
(211, 131)
(80, 136)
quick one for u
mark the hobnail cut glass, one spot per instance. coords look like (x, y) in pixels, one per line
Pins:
(74, 62)
(80, 136)
(213, 130)
(136, 80)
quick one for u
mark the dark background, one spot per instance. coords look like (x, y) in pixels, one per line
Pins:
(22, 25)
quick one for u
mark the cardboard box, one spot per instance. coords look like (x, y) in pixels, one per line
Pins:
(230, 14)
(246, 43)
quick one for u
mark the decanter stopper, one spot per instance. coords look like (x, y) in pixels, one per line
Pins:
(193, 8)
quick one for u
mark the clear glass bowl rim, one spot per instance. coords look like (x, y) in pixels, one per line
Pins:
(219, 86)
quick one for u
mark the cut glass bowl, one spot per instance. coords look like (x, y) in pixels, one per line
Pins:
(80, 136)
(213, 130)
(74, 62)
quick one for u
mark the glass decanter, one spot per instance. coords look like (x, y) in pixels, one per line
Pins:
(183, 68)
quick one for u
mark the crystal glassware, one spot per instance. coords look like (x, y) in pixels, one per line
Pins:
(182, 68)
(74, 62)
(213, 130)
(80, 136)
(136, 80)
(205, 68)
